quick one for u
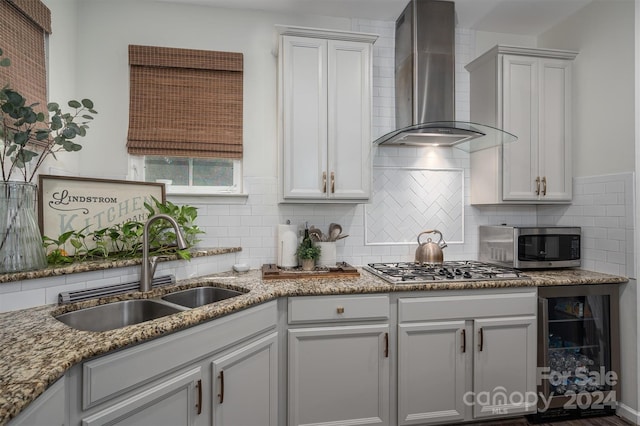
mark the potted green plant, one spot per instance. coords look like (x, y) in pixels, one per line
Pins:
(27, 138)
(308, 254)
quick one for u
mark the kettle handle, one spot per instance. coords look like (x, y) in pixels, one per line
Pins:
(430, 231)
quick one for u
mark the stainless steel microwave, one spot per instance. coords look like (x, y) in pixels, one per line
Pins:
(530, 247)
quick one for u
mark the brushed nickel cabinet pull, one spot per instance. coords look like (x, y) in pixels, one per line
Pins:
(333, 183)
(340, 310)
(221, 394)
(538, 185)
(464, 340)
(386, 345)
(481, 340)
(199, 404)
(544, 185)
(324, 182)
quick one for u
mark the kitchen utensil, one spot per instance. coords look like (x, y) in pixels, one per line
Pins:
(334, 231)
(341, 236)
(316, 234)
(430, 252)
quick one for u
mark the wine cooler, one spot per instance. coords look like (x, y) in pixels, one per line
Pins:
(578, 351)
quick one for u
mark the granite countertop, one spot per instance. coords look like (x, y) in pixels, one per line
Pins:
(36, 349)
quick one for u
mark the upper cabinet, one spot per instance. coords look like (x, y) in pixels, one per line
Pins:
(324, 115)
(527, 92)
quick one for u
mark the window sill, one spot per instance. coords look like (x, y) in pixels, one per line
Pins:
(213, 198)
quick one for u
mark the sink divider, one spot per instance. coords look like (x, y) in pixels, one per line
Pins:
(109, 290)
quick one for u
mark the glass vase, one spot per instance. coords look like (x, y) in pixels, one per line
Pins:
(20, 241)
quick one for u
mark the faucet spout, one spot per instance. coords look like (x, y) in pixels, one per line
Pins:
(149, 265)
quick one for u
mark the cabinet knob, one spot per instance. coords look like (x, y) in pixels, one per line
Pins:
(340, 310)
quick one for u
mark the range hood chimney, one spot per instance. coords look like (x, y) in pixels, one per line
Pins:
(425, 83)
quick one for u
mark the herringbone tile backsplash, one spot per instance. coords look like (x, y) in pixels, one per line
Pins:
(407, 201)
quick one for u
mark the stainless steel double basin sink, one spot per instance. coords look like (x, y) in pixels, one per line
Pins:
(115, 315)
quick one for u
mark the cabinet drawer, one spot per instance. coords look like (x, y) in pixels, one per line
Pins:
(472, 306)
(114, 374)
(338, 308)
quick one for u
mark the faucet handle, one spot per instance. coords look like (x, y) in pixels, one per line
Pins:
(153, 263)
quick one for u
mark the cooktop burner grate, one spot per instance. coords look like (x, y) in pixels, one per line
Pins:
(464, 270)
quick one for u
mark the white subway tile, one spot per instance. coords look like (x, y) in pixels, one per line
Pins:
(22, 300)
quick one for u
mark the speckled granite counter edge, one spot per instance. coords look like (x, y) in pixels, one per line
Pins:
(98, 265)
(36, 349)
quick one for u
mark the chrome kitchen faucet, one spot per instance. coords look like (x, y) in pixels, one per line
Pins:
(149, 264)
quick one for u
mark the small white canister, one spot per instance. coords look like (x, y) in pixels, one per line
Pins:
(327, 253)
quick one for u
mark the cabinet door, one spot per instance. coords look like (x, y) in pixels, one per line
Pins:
(174, 401)
(432, 360)
(48, 410)
(246, 385)
(520, 117)
(555, 129)
(349, 118)
(504, 366)
(339, 375)
(304, 98)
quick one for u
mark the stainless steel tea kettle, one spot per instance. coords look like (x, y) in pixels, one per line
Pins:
(430, 252)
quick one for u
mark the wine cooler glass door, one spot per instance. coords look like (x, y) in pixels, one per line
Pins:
(578, 348)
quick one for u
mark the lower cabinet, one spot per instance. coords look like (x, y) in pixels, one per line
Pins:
(432, 372)
(338, 372)
(246, 385)
(48, 410)
(173, 401)
(504, 366)
(462, 358)
(222, 373)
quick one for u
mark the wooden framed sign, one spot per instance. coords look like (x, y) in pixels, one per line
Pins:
(73, 203)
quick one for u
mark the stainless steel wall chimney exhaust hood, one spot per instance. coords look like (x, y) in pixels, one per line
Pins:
(425, 83)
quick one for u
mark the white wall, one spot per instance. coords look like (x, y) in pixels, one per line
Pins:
(603, 115)
(62, 70)
(485, 40)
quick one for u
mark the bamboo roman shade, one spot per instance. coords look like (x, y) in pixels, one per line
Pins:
(185, 103)
(23, 26)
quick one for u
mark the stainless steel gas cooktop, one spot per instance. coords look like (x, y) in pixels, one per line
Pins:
(463, 270)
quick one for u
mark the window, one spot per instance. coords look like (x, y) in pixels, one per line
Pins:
(185, 118)
(24, 25)
(190, 175)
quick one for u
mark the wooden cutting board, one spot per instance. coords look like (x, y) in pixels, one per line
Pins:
(270, 271)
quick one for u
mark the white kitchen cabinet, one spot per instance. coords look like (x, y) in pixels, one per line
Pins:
(432, 372)
(173, 380)
(48, 410)
(466, 357)
(246, 385)
(324, 93)
(338, 373)
(527, 92)
(504, 352)
(173, 401)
